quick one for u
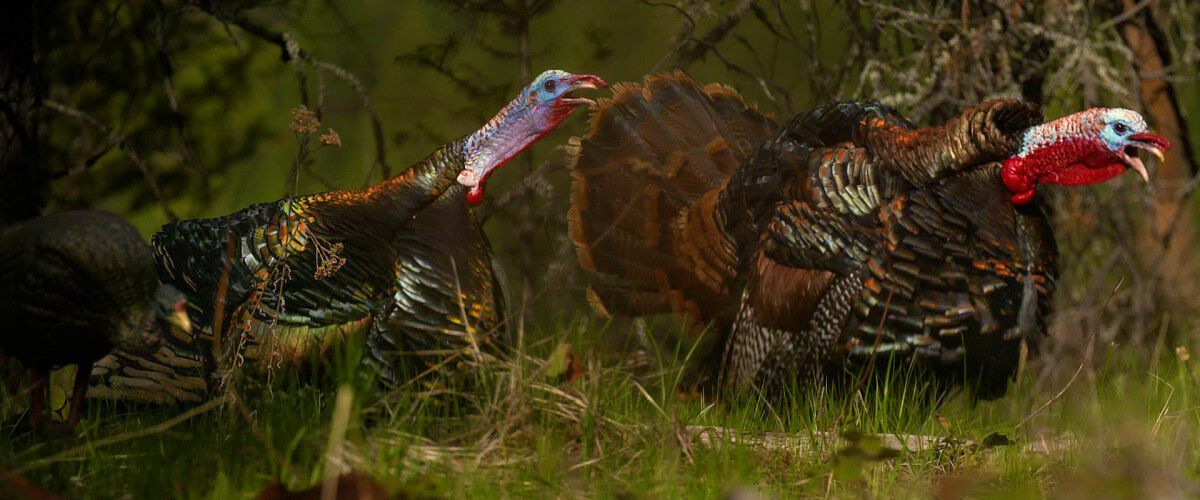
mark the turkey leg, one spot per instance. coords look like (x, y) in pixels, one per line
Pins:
(37, 400)
(82, 372)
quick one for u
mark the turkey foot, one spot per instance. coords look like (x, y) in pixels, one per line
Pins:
(37, 406)
(67, 428)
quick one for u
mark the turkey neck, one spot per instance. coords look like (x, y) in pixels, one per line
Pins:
(399, 197)
(989, 132)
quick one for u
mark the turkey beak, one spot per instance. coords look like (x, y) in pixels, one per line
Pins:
(582, 82)
(1151, 143)
(179, 318)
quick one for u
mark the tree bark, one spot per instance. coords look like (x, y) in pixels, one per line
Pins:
(1161, 107)
(525, 226)
(1168, 244)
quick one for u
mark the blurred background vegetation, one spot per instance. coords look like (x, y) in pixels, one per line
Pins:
(158, 109)
(161, 109)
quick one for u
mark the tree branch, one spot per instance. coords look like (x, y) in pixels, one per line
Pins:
(117, 139)
(696, 48)
(290, 51)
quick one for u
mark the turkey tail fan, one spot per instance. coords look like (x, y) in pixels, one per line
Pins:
(648, 179)
(178, 371)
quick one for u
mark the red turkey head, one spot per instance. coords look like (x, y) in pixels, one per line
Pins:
(1088, 147)
(536, 111)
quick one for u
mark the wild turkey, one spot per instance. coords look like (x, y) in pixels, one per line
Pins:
(77, 285)
(403, 263)
(844, 238)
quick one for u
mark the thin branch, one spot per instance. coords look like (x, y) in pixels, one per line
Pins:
(538, 179)
(714, 437)
(685, 32)
(1087, 355)
(177, 118)
(696, 48)
(290, 51)
(422, 58)
(150, 181)
(117, 139)
(1124, 16)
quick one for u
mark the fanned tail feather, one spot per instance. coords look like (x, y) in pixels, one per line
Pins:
(644, 209)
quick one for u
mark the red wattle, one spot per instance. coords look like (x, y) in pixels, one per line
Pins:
(475, 195)
(1098, 171)
(1066, 163)
(1018, 179)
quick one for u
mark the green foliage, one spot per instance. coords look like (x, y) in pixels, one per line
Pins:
(122, 64)
(533, 426)
(627, 427)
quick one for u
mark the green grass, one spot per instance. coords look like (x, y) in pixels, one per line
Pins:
(620, 430)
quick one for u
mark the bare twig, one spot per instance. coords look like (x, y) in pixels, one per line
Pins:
(120, 438)
(117, 139)
(685, 32)
(1087, 354)
(535, 181)
(150, 181)
(695, 48)
(712, 437)
(178, 120)
(222, 350)
(291, 52)
(435, 57)
(1128, 14)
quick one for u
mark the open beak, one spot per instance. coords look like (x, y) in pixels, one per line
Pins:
(1151, 143)
(582, 82)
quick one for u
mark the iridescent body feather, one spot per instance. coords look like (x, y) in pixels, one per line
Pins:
(843, 239)
(403, 264)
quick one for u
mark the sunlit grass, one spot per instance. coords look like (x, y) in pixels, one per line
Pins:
(524, 428)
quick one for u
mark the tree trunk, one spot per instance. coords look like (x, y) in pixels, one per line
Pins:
(1167, 244)
(1161, 107)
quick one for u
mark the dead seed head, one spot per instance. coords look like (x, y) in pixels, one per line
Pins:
(332, 138)
(304, 121)
(330, 262)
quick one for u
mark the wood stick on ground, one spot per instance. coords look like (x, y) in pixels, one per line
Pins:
(713, 436)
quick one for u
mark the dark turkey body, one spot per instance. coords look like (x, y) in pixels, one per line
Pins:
(846, 238)
(446, 297)
(299, 276)
(959, 279)
(75, 285)
(867, 263)
(276, 249)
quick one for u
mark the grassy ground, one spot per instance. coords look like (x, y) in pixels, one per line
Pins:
(574, 418)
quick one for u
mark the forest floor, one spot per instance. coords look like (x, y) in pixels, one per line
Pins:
(573, 418)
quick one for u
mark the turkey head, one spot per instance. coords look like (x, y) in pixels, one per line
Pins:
(536, 111)
(1084, 148)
